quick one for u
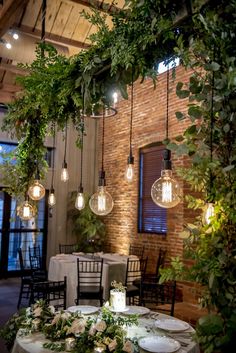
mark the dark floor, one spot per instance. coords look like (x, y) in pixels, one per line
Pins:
(9, 291)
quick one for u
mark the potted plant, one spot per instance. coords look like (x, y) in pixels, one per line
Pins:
(88, 227)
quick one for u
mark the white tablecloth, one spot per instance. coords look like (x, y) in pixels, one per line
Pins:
(34, 343)
(114, 268)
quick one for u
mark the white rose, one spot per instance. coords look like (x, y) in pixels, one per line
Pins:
(66, 315)
(56, 319)
(112, 345)
(92, 330)
(100, 326)
(37, 311)
(128, 347)
(78, 326)
(52, 309)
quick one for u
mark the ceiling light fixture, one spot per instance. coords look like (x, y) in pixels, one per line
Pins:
(36, 191)
(64, 171)
(165, 191)
(52, 197)
(80, 200)
(101, 202)
(129, 172)
(26, 211)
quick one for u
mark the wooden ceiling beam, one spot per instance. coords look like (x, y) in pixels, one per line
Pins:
(53, 38)
(13, 68)
(8, 13)
(99, 5)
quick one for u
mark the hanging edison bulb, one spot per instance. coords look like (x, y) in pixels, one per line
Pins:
(52, 198)
(26, 211)
(208, 213)
(80, 200)
(36, 190)
(101, 202)
(129, 172)
(64, 172)
(165, 191)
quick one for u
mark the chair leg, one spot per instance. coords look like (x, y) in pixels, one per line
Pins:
(20, 296)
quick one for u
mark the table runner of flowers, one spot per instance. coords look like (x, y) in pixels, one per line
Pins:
(104, 332)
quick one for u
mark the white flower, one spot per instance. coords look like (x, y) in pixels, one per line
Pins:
(128, 347)
(100, 326)
(112, 345)
(92, 330)
(66, 315)
(107, 304)
(78, 326)
(56, 319)
(28, 311)
(52, 309)
(37, 311)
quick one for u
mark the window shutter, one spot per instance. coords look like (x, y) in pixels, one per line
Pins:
(152, 218)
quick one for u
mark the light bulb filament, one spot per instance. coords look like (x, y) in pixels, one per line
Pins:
(80, 202)
(26, 211)
(129, 172)
(101, 202)
(166, 191)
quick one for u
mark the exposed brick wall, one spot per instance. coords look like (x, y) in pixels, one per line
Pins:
(148, 127)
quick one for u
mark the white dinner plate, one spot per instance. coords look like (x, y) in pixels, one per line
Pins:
(138, 310)
(118, 311)
(84, 309)
(158, 344)
(171, 325)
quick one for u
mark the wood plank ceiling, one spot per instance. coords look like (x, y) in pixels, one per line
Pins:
(66, 29)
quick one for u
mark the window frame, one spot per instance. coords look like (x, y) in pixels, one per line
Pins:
(141, 224)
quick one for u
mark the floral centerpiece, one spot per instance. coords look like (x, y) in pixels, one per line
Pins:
(105, 332)
(118, 296)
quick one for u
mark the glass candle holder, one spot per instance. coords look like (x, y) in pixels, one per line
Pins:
(69, 344)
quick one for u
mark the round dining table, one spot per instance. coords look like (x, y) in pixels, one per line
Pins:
(147, 326)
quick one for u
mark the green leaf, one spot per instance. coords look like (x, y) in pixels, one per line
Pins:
(179, 115)
(195, 111)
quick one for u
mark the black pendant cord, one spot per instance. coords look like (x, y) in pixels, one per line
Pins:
(65, 150)
(131, 115)
(167, 102)
(103, 133)
(212, 116)
(43, 32)
(53, 155)
(81, 158)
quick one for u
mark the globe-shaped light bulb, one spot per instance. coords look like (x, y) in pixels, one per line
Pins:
(101, 202)
(52, 198)
(36, 191)
(165, 191)
(208, 213)
(26, 211)
(80, 201)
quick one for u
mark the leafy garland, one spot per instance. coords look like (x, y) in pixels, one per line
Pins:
(58, 88)
(105, 330)
(211, 92)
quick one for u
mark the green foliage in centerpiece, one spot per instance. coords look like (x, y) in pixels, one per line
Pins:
(105, 330)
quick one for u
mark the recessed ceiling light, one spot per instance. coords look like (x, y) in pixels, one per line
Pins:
(8, 45)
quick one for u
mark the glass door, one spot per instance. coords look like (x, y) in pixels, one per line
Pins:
(15, 233)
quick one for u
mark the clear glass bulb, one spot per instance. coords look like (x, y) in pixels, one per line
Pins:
(64, 174)
(101, 202)
(165, 191)
(36, 191)
(209, 212)
(80, 201)
(129, 172)
(26, 211)
(52, 198)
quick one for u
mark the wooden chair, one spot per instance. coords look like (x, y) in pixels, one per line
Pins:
(53, 292)
(135, 271)
(67, 248)
(137, 250)
(154, 277)
(36, 263)
(90, 280)
(158, 297)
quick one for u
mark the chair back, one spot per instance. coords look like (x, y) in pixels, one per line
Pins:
(35, 258)
(21, 261)
(67, 248)
(160, 260)
(53, 292)
(135, 270)
(137, 250)
(34, 250)
(160, 297)
(90, 272)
